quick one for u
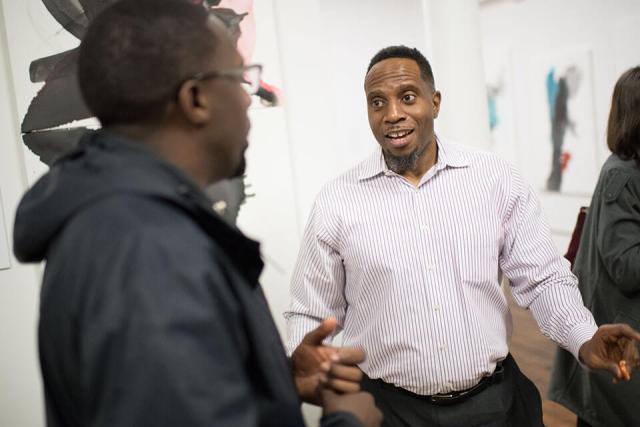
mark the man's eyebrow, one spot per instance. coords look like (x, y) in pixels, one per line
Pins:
(375, 93)
(407, 86)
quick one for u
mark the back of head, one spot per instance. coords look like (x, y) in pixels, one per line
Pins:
(135, 55)
(623, 129)
(408, 53)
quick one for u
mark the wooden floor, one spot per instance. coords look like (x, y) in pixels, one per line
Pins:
(534, 354)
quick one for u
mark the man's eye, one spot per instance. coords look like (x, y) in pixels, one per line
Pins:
(376, 103)
(409, 97)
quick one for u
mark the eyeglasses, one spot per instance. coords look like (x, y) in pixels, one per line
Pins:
(249, 76)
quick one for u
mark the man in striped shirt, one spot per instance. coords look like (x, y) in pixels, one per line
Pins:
(407, 250)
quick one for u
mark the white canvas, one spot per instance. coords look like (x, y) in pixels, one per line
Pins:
(579, 155)
(5, 261)
(500, 102)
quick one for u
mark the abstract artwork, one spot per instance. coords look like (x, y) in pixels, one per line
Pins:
(57, 118)
(560, 89)
(501, 109)
(557, 120)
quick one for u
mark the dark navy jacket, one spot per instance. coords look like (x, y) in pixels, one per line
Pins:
(151, 312)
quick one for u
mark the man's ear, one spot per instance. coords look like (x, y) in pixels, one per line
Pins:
(193, 103)
(437, 98)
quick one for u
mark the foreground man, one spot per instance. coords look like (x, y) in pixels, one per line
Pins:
(151, 311)
(406, 250)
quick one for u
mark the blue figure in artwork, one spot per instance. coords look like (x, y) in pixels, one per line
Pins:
(494, 91)
(558, 93)
(494, 119)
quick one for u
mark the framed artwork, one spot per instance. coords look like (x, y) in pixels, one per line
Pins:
(556, 120)
(501, 108)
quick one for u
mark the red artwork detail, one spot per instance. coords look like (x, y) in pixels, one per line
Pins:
(564, 160)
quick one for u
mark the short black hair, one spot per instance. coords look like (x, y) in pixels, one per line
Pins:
(623, 128)
(401, 51)
(135, 55)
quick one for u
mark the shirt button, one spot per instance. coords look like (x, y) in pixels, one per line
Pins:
(436, 308)
(423, 227)
(431, 267)
(441, 348)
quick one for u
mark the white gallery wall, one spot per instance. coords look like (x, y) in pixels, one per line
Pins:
(326, 46)
(317, 53)
(521, 40)
(20, 386)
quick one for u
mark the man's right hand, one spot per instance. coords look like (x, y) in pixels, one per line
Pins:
(360, 404)
(316, 365)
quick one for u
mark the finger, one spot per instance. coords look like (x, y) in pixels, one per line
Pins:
(323, 378)
(341, 386)
(347, 373)
(325, 366)
(327, 393)
(624, 330)
(350, 355)
(629, 348)
(318, 335)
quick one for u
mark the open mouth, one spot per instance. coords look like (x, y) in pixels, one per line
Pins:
(399, 138)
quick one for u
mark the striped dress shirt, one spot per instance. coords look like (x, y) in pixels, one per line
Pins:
(412, 273)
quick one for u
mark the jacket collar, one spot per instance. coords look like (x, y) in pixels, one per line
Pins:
(140, 170)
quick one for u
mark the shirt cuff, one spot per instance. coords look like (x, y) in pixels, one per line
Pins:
(578, 336)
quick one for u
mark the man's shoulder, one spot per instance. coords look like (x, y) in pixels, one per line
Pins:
(480, 162)
(152, 220)
(475, 155)
(133, 210)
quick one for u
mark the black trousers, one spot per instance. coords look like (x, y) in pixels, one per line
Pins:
(512, 402)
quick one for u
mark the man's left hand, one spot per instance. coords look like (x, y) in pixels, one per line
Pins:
(611, 345)
(316, 366)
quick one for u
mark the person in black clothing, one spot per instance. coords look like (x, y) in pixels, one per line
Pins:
(608, 267)
(151, 312)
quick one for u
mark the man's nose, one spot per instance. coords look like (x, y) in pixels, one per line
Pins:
(395, 113)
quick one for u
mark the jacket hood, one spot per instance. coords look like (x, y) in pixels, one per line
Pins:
(94, 170)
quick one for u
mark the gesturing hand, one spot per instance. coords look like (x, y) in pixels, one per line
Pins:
(316, 365)
(612, 348)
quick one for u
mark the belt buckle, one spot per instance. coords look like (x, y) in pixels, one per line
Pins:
(436, 398)
(449, 398)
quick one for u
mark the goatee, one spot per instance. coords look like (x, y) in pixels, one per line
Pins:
(402, 164)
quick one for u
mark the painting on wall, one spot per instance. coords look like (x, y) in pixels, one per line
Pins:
(500, 106)
(56, 117)
(44, 37)
(558, 137)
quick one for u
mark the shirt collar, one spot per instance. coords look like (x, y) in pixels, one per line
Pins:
(448, 156)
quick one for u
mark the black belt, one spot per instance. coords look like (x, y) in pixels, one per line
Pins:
(455, 396)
